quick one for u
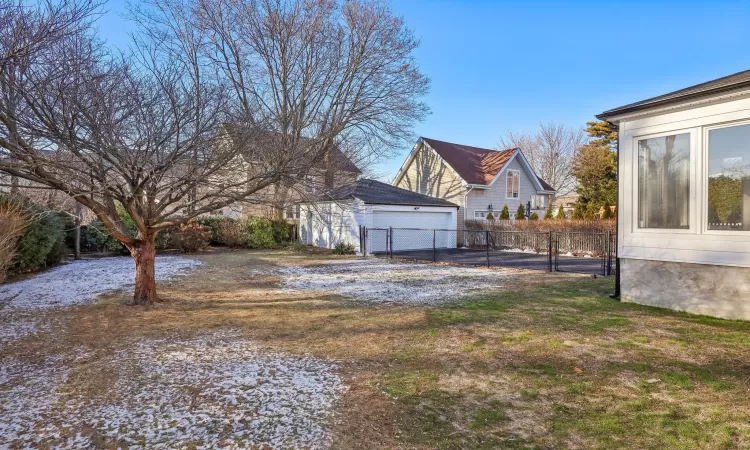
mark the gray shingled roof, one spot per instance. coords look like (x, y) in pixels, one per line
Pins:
(720, 85)
(377, 193)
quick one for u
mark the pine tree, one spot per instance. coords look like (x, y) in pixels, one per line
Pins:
(607, 214)
(549, 214)
(560, 213)
(534, 216)
(505, 214)
(520, 212)
(490, 217)
(595, 165)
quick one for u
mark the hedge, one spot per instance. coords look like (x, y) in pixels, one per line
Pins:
(42, 243)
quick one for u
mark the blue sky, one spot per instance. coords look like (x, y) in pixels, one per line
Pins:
(509, 65)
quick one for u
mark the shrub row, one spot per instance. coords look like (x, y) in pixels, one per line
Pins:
(595, 226)
(255, 232)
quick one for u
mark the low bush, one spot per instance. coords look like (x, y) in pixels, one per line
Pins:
(231, 233)
(215, 224)
(259, 232)
(12, 224)
(534, 216)
(43, 240)
(343, 248)
(191, 237)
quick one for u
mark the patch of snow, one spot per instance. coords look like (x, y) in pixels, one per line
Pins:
(216, 391)
(74, 283)
(397, 282)
(78, 282)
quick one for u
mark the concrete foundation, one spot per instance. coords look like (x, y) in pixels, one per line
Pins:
(718, 291)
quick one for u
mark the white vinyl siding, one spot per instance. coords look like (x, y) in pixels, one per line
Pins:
(481, 199)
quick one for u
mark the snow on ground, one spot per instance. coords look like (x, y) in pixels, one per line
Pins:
(78, 282)
(74, 283)
(215, 391)
(384, 281)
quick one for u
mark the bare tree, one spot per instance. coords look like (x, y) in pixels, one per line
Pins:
(218, 102)
(550, 150)
(321, 74)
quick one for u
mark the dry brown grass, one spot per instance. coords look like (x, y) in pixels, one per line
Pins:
(549, 364)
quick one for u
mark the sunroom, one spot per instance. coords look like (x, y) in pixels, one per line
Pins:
(684, 198)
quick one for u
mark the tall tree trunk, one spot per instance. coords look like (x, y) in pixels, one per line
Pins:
(144, 255)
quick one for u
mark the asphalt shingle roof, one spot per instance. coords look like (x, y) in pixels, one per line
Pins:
(719, 85)
(375, 192)
(475, 165)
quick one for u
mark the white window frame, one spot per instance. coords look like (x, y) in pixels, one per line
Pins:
(518, 194)
(703, 206)
(693, 220)
(485, 211)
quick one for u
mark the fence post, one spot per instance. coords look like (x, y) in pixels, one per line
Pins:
(434, 236)
(390, 240)
(609, 253)
(549, 252)
(364, 241)
(487, 242)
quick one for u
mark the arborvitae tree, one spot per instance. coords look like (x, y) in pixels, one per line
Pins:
(520, 212)
(490, 216)
(534, 216)
(560, 213)
(549, 214)
(607, 213)
(592, 212)
(577, 212)
(505, 214)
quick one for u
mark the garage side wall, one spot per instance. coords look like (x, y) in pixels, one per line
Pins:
(327, 224)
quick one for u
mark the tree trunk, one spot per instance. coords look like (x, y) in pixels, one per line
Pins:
(144, 254)
(79, 214)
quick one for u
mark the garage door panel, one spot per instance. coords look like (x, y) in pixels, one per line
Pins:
(414, 229)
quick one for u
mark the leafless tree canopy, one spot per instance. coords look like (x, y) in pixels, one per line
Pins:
(217, 101)
(550, 150)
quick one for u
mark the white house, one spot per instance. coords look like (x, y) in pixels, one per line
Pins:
(684, 198)
(479, 180)
(339, 216)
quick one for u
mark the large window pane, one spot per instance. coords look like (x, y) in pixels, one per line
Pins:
(729, 178)
(664, 182)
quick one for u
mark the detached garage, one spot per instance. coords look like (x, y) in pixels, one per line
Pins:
(339, 216)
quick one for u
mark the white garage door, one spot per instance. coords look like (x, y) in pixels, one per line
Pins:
(412, 219)
(413, 229)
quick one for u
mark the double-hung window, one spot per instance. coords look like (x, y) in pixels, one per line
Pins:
(513, 184)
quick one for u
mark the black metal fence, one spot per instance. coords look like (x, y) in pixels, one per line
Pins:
(551, 251)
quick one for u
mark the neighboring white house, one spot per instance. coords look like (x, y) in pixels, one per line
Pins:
(478, 180)
(684, 198)
(338, 217)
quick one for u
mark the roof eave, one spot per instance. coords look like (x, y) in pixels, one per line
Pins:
(612, 115)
